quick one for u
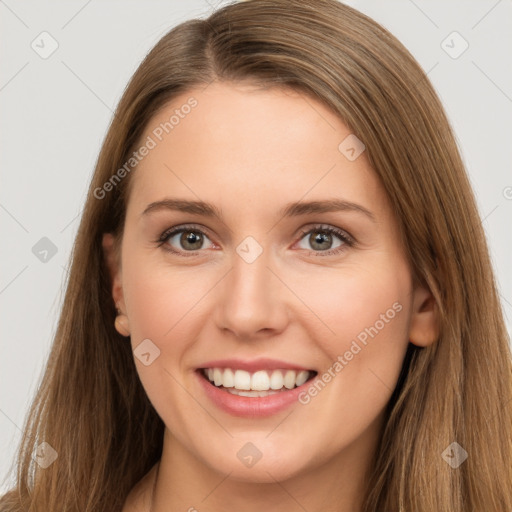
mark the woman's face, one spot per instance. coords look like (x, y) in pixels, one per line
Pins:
(254, 284)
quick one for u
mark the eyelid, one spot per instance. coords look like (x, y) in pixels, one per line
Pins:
(182, 227)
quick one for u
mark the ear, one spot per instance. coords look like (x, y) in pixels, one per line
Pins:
(424, 326)
(111, 259)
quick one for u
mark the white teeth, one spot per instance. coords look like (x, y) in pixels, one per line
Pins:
(217, 377)
(263, 381)
(260, 381)
(242, 380)
(289, 379)
(252, 393)
(228, 379)
(276, 380)
(301, 377)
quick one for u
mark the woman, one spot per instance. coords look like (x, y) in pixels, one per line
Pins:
(281, 294)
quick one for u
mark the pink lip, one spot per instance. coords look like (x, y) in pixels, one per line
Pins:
(253, 365)
(250, 407)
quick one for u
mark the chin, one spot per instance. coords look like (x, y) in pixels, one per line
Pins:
(250, 464)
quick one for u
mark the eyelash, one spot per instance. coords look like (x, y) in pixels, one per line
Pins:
(348, 241)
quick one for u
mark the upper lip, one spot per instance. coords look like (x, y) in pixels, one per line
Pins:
(254, 365)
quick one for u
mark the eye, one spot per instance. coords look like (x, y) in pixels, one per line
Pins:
(321, 238)
(324, 240)
(187, 238)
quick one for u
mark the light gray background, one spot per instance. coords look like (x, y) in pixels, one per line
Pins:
(55, 113)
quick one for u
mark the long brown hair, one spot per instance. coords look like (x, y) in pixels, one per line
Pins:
(91, 407)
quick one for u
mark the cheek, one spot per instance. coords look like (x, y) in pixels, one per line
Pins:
(162, 306)
(160, 300)
(364, 315)
(368, 312)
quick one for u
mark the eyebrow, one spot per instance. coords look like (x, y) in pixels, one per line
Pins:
(290, 210)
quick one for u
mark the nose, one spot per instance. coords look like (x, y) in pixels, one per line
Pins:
(252, 302)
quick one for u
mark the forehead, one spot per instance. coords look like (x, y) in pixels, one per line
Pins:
(239, 146)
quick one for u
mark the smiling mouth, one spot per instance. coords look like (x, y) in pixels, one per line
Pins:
(256, 384)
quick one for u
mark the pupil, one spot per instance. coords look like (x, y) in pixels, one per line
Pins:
(319, 238)
(191, 238)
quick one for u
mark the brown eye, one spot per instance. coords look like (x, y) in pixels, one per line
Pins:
(320, 239)
(191, 240)
(326, 239)
(183, 239)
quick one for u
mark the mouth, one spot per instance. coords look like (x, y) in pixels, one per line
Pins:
(257, 384)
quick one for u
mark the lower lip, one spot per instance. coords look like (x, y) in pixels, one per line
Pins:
(244, 406)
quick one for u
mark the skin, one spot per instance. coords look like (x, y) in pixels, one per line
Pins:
(250, 152)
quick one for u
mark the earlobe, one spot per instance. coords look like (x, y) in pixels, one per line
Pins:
(121, 322)
(121, 325)
(424, 327)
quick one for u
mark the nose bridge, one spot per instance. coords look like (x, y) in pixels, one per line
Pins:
(251, 299)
